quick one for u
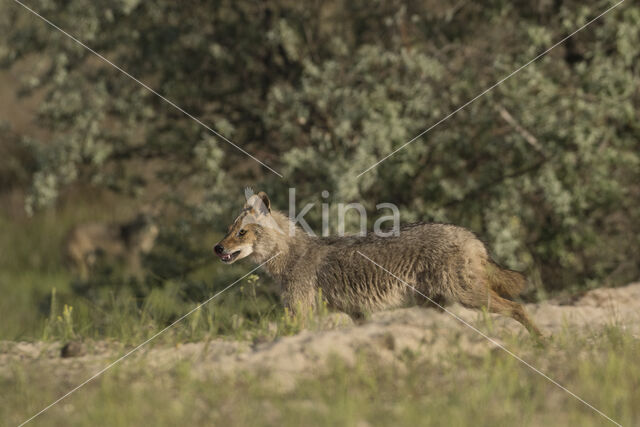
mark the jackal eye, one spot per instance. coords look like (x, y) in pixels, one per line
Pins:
(242, 232)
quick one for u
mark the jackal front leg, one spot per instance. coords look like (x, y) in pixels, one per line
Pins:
(298, 299)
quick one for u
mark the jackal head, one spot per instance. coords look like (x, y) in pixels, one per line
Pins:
(251, 233)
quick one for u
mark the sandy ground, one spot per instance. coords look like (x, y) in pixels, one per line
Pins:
(387, 336)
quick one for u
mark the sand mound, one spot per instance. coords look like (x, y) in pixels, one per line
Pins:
(389, 337)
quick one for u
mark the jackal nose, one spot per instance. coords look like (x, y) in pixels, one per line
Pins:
(218, 249)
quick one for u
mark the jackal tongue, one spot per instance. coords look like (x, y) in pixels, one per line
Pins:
(229, 256)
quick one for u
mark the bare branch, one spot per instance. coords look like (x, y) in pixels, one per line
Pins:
(528, 136)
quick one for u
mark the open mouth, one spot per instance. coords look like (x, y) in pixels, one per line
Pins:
(229, 257)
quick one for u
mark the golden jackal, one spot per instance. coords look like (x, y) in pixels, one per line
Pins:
(444, 262)
(127, 242)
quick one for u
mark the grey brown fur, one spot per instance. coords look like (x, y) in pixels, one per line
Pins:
(445, 262)
(127, 242)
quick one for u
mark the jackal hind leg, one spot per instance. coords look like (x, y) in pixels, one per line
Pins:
(426, 294)
(436, 302)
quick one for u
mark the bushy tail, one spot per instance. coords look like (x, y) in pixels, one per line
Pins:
(506, 283)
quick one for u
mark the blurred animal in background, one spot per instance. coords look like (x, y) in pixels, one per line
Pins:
(127, 242)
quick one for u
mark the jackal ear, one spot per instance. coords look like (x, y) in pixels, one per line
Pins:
(266, 203)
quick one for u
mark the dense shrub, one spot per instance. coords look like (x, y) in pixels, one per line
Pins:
(545, 167)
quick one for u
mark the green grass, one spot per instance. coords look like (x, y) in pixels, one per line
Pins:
(462, 390)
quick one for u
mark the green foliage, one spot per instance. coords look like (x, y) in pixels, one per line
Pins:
(545, 167)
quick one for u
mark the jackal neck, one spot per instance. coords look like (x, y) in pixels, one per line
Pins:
(290, 243)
